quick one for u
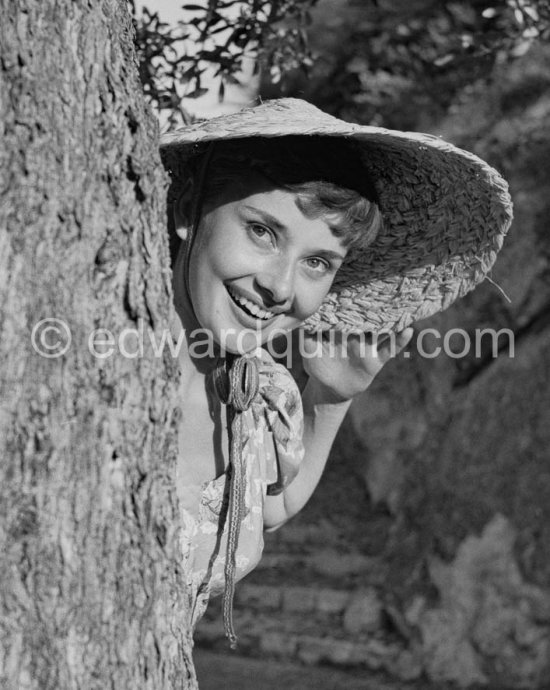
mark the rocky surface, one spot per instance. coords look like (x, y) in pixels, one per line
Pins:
(229, 671)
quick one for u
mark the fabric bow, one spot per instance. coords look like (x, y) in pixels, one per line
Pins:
(248, 386)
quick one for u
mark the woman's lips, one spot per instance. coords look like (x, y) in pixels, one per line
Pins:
(249, 307)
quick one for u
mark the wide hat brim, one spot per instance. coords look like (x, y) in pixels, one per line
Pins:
(445, 214)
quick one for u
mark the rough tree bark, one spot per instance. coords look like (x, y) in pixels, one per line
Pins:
(91, 593)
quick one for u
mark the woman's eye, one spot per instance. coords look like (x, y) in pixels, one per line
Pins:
(318, 265)
(260, 232)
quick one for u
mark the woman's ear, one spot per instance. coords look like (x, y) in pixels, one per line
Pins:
(181, 224)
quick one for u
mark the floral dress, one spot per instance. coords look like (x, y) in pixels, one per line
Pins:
(271, 450)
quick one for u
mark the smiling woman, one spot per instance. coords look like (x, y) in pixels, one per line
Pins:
(281, 216)
(258, 262)
(258, 257)
(348, 228)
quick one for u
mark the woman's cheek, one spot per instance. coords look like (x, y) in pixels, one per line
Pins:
(310, 296)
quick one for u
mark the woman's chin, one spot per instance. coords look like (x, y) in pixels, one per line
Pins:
(236, 339)
(240, 342)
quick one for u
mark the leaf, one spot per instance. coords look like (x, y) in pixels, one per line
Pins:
(212, 32)
(231, 79)
(443, 60)
(518, 14)
(196, 93)
(531, 12)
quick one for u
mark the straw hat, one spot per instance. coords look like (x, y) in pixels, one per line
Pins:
(445, 214)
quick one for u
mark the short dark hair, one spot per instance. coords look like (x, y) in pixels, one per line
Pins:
(327, 176)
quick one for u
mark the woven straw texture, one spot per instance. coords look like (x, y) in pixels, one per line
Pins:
(445, 213)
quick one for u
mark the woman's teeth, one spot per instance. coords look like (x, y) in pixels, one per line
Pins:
(249, 306)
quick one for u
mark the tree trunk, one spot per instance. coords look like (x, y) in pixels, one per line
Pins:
(92, 589)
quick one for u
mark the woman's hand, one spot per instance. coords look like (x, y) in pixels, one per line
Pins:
(339, 367)
(344, 365)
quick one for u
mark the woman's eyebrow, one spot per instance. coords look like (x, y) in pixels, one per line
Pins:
(267, 218)
(329, 254)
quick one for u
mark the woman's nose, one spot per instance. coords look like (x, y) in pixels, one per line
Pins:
(277, 280)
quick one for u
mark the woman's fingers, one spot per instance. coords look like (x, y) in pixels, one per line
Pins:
(404, 337)
(381, 347)
(391, 344)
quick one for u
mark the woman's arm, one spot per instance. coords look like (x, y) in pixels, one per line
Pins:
(322, 419)
(342, 372)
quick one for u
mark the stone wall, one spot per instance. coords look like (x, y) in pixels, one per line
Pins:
(459, 448)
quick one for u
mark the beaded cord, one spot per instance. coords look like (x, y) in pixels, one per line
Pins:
(237, 384)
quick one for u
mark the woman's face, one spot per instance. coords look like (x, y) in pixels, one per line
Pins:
(259, 264)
